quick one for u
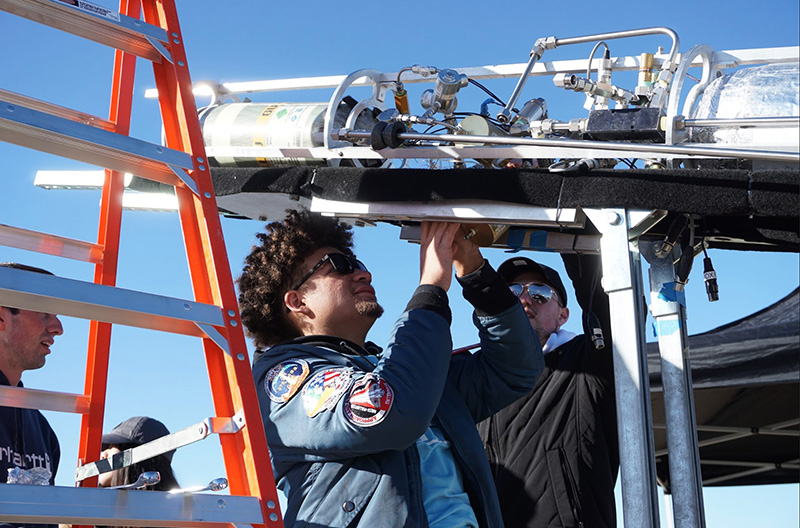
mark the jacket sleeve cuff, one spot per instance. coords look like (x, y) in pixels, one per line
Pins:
(433, 298)
(487, 291)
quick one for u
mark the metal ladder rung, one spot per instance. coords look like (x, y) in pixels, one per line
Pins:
(31, 128)
(95, 23)
(189, 435)
(47, 400)
(56, 110)
(108, 507)
(58, 246)
(86, 300)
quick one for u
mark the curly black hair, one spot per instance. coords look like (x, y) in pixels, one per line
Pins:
(273, 266)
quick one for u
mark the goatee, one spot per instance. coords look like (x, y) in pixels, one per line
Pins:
(369, 308)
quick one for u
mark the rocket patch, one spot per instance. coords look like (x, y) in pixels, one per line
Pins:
(369, 401)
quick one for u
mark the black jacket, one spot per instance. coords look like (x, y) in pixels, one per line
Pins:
(555, 451)
(26, 441)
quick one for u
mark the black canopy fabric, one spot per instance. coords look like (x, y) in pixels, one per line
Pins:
(746, 378)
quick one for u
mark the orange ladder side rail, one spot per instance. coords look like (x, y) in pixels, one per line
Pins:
(96, 379)
(233, 389)
(110, 224)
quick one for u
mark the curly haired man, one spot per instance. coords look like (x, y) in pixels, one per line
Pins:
(361, 436)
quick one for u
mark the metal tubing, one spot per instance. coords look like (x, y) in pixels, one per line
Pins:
(622, 282)
(538, 49)
(705, 52)
(505, 114)
(744, 122)
(668, 311)
(673, 52)
(600, 145)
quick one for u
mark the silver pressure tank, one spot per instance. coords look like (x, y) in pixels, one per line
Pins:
(281, 128)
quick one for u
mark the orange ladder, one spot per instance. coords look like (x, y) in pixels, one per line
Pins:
(213, 315)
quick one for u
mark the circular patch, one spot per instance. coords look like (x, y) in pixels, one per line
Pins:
(325, 388)
(369, 401)
(284, 379)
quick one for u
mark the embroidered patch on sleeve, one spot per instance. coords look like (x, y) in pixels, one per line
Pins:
(325, 388)
(284, 379)
(369, 401)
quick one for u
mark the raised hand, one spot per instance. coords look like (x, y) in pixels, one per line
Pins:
(437, 248)
(467, 257)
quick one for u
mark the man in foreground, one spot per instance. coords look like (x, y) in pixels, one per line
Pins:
(364, 437)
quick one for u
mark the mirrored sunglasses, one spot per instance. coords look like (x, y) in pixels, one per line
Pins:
(541, 293)
(340, 262)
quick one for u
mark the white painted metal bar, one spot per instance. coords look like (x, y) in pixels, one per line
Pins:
(622, 282)
(46, 293)
(107, 507)
(466, 211)
(26, 398)
(96, 23)
(724, 59)
(59, 246)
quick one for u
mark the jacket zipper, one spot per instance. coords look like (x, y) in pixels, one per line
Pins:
(572, 490)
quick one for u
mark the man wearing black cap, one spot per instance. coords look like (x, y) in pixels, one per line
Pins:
(554, 452)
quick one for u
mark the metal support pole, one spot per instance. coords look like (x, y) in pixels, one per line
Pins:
(622, 282)
(668, 308)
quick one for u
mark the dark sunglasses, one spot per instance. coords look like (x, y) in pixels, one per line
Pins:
(541, 293)
(341, 264)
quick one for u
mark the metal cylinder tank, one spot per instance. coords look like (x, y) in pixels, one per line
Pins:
(272, 125)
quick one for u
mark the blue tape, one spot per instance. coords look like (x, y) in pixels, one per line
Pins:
(538, 241)
(670, 294)
(668, 327)
(515, 240)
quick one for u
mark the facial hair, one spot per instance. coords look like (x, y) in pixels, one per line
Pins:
(369, 309)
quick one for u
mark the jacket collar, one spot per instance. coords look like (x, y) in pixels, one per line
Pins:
(343, 346)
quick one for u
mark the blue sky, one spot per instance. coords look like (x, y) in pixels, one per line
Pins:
(163, 375)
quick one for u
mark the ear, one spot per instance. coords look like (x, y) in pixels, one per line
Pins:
(294, 302)
(563, 316)
(4, 314)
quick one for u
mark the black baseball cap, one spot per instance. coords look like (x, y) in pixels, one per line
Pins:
(137, 431)
(516, 266)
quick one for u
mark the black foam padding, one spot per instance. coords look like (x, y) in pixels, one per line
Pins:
(750, 208)
(233, 180)
(774, 193)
